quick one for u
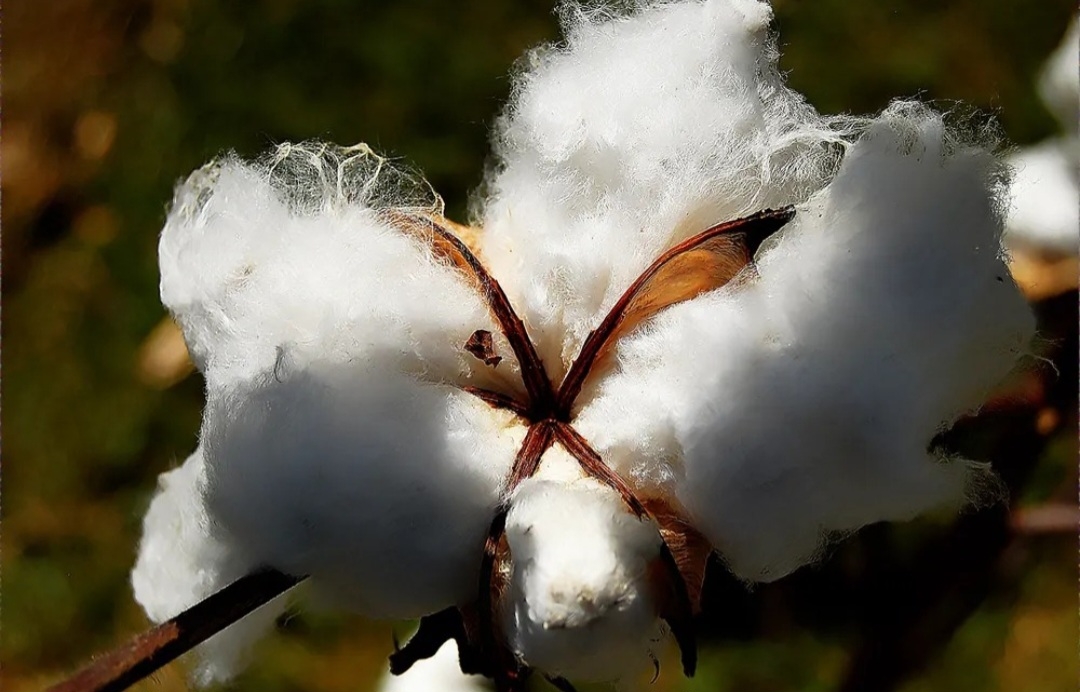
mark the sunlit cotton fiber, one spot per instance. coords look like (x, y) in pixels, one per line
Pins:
(804, 404)
(580, 601)
(638, 132)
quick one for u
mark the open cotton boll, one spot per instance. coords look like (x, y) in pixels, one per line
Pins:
(378, 486)
(640, 131)
(579, 602)
(290, 255)
(805, 403)
(183, 558)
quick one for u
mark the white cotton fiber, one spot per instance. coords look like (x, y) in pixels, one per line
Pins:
(183, 558)
(287, 259)
(804, 405)
(337, 441)
(639, 131)
(1044, 212)
(580, 603)
(1045, 205)
(379, 486)
(777, 412)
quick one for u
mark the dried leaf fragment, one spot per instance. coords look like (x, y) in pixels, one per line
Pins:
(481, 345)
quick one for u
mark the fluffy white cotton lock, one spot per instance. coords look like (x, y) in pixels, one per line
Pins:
(1045, 205)
(378, 486)
(638, 132)
(804, 404)
(331, 446)
(580, 602)
(185, 557)
(288, 257)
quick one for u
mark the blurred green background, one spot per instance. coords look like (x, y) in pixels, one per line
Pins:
(108, 102)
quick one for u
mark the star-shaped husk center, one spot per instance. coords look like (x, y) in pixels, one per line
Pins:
(702, 263)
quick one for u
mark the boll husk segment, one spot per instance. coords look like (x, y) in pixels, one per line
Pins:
(349, 435)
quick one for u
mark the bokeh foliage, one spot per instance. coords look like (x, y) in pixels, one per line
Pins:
(108, 102)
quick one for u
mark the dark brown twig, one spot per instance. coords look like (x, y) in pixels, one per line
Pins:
(151, 650)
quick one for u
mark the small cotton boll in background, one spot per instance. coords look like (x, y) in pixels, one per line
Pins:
(290, 253)
(1045, 209)
(183, 558)
(805, 403)
(440, 673)
(638, 133)
(361, 477)
(579, 602)
(1044, 214)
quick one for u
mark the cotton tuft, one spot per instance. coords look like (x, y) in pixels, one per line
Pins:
(237, 257)
(795, 405)
(333, 444)
(580, 603)
(636, 133)
(804, 405)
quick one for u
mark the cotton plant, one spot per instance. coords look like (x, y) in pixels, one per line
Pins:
(692, 315)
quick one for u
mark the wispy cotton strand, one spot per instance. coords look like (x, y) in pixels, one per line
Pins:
(351, 435)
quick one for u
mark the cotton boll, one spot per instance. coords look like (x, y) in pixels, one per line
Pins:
(892, 315)
(183, 558)
(1045, 207)
(579, 603)
(641, 131)
(289, 255)
(379, 486)
(804, 404)
(1059, 83)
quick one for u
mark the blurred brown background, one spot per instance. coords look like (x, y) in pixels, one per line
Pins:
(108, 102)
